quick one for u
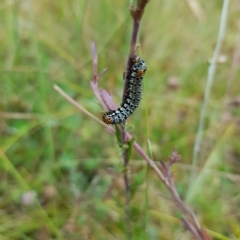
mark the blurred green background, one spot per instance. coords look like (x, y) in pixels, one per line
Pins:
(61, 171)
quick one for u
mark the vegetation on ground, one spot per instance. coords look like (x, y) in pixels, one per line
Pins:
(61, 172)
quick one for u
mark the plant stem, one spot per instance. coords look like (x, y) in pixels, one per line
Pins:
(207, 92)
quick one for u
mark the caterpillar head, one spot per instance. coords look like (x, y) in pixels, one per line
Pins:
(107, 119)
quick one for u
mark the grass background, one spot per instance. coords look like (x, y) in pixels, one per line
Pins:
(71, 167)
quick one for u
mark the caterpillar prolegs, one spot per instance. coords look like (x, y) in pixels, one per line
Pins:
(132, 96)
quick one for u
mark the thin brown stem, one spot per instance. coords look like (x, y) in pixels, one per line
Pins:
(190, 220)
(136, 13)
(105, 99)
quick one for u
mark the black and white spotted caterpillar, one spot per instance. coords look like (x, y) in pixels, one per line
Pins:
(132, 96)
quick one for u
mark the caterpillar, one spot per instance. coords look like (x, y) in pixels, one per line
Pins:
(133, 93)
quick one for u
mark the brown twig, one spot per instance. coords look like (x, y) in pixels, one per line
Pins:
(136, 13)
(105, 99)
(189, 218)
